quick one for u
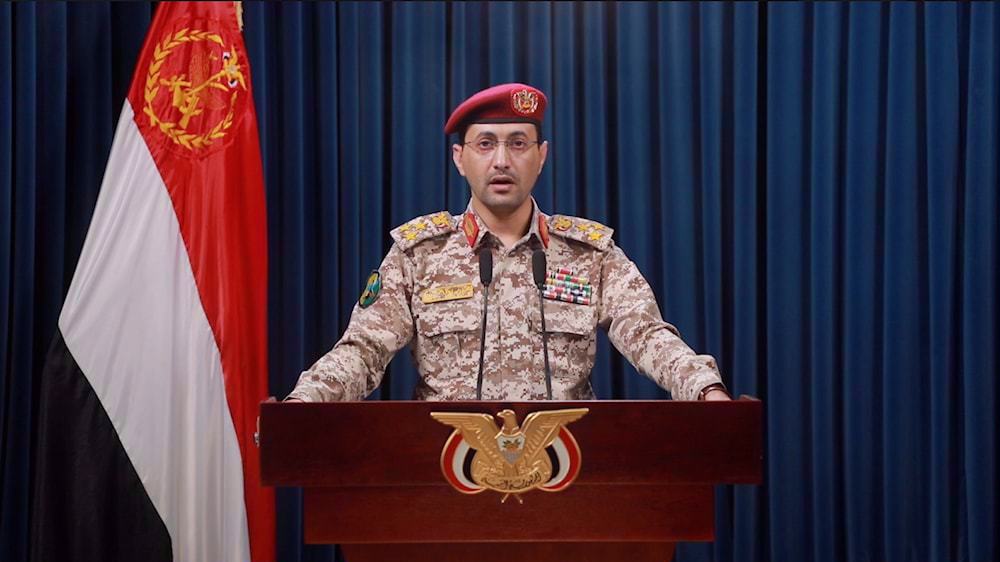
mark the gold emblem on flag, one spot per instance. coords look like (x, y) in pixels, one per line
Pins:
(542, 454)
(202, 78)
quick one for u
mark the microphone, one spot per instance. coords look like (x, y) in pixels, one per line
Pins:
(486, 266)
(486, 277)
(538, 268)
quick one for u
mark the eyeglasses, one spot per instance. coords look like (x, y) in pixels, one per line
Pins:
(514, 146)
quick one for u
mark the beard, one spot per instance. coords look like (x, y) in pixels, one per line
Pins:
(501, 203)
(502, 198)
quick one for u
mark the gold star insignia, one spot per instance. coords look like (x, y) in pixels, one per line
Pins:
(441, 220)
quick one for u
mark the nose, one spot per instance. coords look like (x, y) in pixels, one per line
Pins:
(501, 159)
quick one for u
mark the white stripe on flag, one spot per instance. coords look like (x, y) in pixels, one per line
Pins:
(563, 455)
(135, 324)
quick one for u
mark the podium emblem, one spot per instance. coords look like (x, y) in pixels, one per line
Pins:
(542, 454)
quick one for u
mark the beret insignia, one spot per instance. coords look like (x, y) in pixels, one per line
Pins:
(524, 102)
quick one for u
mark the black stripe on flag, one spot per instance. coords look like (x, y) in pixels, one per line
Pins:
(88, 501)
(554, 459)
(467, 465)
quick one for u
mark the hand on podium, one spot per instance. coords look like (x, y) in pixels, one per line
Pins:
(714, 393)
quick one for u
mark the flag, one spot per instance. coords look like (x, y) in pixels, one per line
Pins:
(149, 395)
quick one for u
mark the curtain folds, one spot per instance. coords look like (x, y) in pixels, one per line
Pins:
(812, 191)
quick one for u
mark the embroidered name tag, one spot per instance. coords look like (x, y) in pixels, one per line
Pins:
(447, 293)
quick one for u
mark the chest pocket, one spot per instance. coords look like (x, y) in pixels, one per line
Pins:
(447, 345)
(448, 317)
(564, 318)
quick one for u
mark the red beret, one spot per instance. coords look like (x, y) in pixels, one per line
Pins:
(505, 103)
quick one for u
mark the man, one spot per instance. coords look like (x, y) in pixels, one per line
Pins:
(428, 288)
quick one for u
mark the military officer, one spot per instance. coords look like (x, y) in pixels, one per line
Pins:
(428, 292)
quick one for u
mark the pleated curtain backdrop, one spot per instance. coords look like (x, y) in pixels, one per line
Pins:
(811, 190)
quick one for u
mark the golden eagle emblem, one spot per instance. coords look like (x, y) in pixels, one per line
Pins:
(510, 459)
(524, 102)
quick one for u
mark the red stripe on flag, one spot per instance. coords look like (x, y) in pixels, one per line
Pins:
(573, 452)
(574, 455)
(205, 145)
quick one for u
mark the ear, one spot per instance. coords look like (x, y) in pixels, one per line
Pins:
(456, 157)
(545, 153)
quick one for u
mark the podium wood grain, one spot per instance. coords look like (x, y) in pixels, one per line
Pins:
(372, 482)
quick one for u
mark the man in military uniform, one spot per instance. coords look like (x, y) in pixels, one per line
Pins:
(428, 289)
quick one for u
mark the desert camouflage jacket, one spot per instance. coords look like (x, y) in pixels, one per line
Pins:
(428, 294)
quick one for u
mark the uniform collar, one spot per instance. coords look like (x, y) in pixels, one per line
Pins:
(475, 229)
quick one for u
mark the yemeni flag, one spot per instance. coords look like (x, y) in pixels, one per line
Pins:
(149, 397)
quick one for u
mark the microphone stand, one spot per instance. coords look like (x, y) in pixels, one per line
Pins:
(545, 349)
(486, 277)
(538, 267)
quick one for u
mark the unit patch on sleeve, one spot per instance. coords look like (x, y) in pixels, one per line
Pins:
(372, 289)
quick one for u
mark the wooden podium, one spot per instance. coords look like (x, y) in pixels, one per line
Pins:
(372, 480)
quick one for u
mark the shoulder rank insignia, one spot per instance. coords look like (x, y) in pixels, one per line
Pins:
(423, 228)
(511, 460)
(372, 289)
(581, 230)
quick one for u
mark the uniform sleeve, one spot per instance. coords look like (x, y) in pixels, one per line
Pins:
(629, 312)
(355, 365)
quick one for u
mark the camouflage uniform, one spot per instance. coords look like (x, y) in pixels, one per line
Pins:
(432, 258)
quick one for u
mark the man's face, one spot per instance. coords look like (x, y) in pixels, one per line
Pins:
(501, 175)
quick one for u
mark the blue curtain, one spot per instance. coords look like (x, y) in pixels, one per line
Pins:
(811, 189)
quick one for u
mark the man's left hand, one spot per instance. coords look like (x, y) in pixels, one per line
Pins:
(716, 395)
